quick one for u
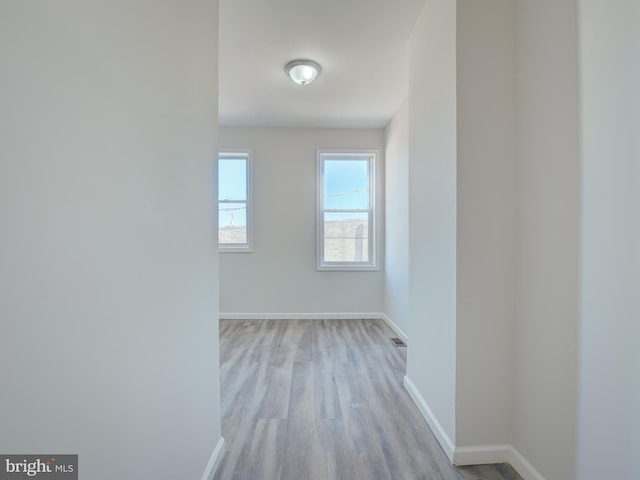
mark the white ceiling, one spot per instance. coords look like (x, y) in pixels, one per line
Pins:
(362, 46)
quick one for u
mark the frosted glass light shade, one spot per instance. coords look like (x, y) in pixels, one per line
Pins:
(303, 72)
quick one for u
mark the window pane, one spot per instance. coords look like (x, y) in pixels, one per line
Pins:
(346, 237)
(232, 179)
(232, 223)
(346, 184)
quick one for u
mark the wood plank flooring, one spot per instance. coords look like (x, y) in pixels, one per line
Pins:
(323, 400)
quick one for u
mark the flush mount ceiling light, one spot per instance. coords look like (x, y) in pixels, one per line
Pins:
(303, 72)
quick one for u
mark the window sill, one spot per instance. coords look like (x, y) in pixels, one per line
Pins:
(348, 268)
(235, 250)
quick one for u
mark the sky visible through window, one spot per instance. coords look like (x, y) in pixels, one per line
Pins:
(232, 186)
(346, 199)
(346, 184)
(345, 216)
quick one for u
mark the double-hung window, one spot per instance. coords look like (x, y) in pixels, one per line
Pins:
(234, 201)
(346, 211)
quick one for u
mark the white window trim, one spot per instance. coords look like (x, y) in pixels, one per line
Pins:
(248, 154)
(374, 212)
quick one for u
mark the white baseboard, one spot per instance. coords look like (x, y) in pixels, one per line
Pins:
(481, 454)
(486, 454)
(395, 328)
(214, 461)
(443, 439)
(302, 316)
(522, 466)
(318, 316)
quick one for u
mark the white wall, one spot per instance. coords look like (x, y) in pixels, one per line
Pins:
(486, 220)
(108, 343)
(280, 275)
(432, 211)
(463, 220)
(609, 423)
(548, 213)
(635, 419)
(396, 177)
(572, 214)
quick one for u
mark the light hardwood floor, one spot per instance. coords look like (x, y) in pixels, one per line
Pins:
(323, 400)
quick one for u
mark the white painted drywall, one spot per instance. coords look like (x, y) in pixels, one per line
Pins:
(432, 210)
(486, 222)
(396, 275)
(609, 424)
(108, 340)
(576, 231)
(548, 228)
(635, 417)
(280, 275)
